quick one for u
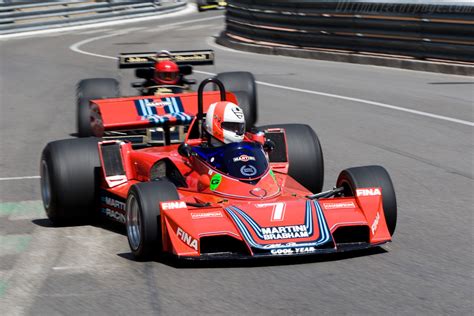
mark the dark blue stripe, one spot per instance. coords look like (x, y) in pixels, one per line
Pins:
(139, 108)
(180, 104)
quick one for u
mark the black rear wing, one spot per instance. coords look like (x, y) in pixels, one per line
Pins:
(183, 57)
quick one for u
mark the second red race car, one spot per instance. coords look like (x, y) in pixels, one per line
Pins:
(227, 191)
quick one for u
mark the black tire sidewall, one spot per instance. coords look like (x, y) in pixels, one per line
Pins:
(89, 89)
(372, 176)
(73, 167)
(148, 196)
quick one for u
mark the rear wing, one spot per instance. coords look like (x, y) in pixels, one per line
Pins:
(143, 112)
(183, 57)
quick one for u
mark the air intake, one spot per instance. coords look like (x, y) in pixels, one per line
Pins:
(351, 235)
(222, 245)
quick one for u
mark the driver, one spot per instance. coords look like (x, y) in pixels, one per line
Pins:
(166, 73)
(225, 123)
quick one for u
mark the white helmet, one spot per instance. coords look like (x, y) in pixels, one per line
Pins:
(225, 121)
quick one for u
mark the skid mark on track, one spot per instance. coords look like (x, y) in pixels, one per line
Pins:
(14, 244)
(3, 287)
(22, 210)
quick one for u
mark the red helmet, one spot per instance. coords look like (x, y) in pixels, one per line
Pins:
(166, 72)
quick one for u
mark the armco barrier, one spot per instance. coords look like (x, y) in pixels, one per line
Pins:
(16, 17)
(435, 30)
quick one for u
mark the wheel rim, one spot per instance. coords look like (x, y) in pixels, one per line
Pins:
(45, 185)
(133, 222)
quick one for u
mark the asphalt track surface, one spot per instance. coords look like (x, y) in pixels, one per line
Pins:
(428, 269)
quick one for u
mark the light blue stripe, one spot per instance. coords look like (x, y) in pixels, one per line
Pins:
(178, 112)
(142, 106)
(252, 223)
(323, 238)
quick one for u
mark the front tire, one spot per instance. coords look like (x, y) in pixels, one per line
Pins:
(69, 179)
(143, 216)
(370, 177)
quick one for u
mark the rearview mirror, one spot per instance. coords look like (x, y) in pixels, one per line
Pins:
(185, 150)
(269, 145)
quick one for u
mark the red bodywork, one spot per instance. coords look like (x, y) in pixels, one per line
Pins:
(271, 216)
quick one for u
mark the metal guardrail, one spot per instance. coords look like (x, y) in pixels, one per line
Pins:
(435, 30)
(34, 16)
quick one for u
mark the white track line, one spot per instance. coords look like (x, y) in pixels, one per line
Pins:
(76, 47)
(382, 105)
(19, 178)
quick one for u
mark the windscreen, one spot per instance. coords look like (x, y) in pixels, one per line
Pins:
(244, 160)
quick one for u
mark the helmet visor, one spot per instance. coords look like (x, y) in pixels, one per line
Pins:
(237, 128)
(167, 76)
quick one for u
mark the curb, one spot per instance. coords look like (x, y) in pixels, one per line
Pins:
(171, 8)
(355, 58)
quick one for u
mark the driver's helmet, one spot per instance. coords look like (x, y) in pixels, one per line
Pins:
(225, 122)
(166, 72)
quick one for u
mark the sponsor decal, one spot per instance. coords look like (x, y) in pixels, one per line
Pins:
(116, 215)
(278, 212)
(248, 170)
(238, 112)
(135, 60)
(187, 239)
(113, 202)
(307, 229)
(291, 251)
(243, 158)
(285, 232)
(160, 111)
(194, 57)
(173, 205)
(337, 205)
(206, 215)
(375, 224)
(368, 192)
(158, 103)
(215, 181)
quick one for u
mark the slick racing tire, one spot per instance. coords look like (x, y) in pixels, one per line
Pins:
(304, 155)
(89, 89)
(372, 177)
(69, 179)
(143, 216)
(242, 85)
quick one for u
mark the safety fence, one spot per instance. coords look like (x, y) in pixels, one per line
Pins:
(16, 17)
(431, 30)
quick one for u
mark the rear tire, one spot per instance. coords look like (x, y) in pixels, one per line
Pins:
(369, 177)
(69, 179)
(242, 85)
(304, 154)
(89, 89)
(143, 216)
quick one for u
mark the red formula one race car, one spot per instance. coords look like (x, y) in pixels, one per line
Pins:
(259, 197)
(162, 73)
